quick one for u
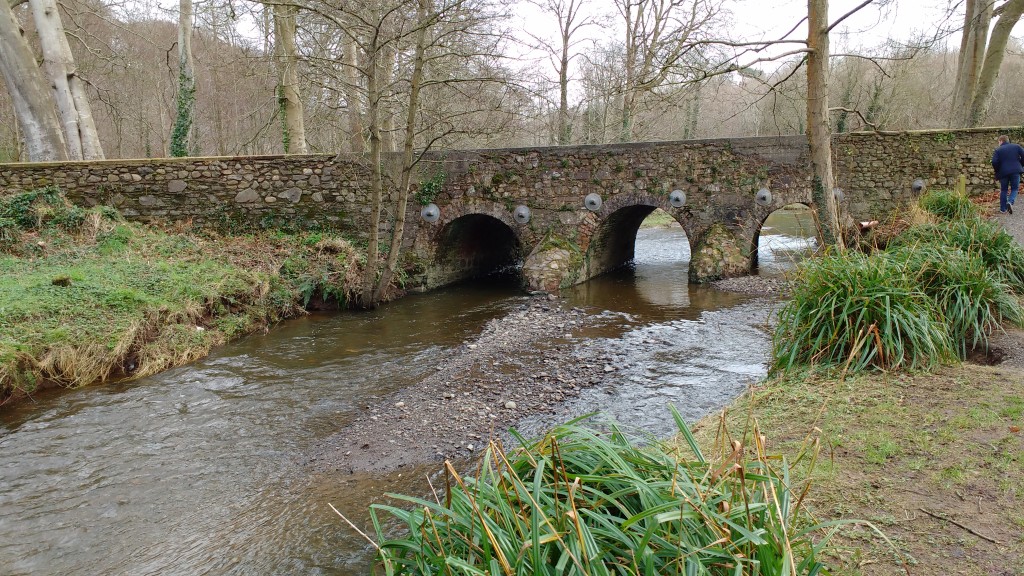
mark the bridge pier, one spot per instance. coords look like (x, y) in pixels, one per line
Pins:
(549, 269)
(720, 253)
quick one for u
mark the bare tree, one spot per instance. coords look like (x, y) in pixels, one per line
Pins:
(561, 54)
(73, 108)
(981, 55)
(288, 97)
(32, 103)
(665, 40)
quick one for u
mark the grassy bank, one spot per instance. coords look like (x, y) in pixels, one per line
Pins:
(86, 296)
(915, 454)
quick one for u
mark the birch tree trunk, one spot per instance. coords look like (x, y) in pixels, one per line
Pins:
(73, 107)
(294, 137)
(182, 136)
(29, 92)
(819, 136)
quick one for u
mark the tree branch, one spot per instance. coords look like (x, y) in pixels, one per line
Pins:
(847, 15)
(859, 115)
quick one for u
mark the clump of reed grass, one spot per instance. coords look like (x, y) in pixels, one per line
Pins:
(971, 298)
(857, 311)
(997, 249)
(949, 205)
(579, 501)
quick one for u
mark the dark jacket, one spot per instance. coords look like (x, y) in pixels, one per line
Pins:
(1008, 159)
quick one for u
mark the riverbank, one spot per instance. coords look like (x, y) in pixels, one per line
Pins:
(86, 297)
(933, 460)
(521, 364)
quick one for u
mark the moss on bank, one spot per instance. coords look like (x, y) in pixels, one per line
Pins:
(86, 296)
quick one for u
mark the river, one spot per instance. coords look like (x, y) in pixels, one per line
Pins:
(197, 470)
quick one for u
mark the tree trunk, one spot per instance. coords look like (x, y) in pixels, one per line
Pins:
(294, 137)
(1008, 18)
(387, 78)
(377, 178)
(355, 116)
(564, 128)
(405, 181)
(970, 59)
(818, 126)
(73, 108)
(182, 136)
(29, 93)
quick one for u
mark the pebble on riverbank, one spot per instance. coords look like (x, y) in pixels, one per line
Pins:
(515, 368)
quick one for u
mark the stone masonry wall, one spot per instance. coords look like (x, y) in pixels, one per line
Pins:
(268, 191)
(877, 169)
(719, 176)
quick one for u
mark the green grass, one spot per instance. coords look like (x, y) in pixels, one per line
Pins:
(857, 311)
(987, 240)
(949, 205)
(85, 296)
(971, 298)
(936, 292)
(892, 444)
(585, 501)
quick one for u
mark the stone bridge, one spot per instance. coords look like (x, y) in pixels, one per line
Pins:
(563, 242)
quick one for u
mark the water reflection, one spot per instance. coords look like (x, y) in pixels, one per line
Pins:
(654, 286)
(787, 237)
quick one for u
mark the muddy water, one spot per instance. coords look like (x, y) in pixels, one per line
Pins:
(196, 470)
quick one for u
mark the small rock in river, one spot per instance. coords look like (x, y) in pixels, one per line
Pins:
(469, 447)
(472, 346)
(400, 405)
(609, 368)
(510, 405)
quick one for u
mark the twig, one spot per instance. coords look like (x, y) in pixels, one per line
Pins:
(354, 527)
(951, 521)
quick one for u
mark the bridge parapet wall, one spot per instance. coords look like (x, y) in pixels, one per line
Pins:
(875, 170)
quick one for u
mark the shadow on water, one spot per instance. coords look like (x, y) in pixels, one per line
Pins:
(198, 470)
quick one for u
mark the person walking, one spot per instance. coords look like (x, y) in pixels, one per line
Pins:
(1008, 163)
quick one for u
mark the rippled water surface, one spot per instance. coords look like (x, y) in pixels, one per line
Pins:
(194, 471)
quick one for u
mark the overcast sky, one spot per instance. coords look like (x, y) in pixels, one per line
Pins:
(754, 20)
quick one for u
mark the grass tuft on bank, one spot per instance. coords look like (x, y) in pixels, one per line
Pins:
(86, 296)
(584, 501)
(933, 294)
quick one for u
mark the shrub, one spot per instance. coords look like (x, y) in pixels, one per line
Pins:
(858, 311)
(997, 249)
(972, 299)
(45, 207)
(949, 205)
(581, 502)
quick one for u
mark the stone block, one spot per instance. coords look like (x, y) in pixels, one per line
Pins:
(247, 196)
(176, 186)
(292, 195)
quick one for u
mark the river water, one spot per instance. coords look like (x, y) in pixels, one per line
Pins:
(196, 470)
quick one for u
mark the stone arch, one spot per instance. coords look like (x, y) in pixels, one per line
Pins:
(773, 211)
(612, 241)
(472, 240)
